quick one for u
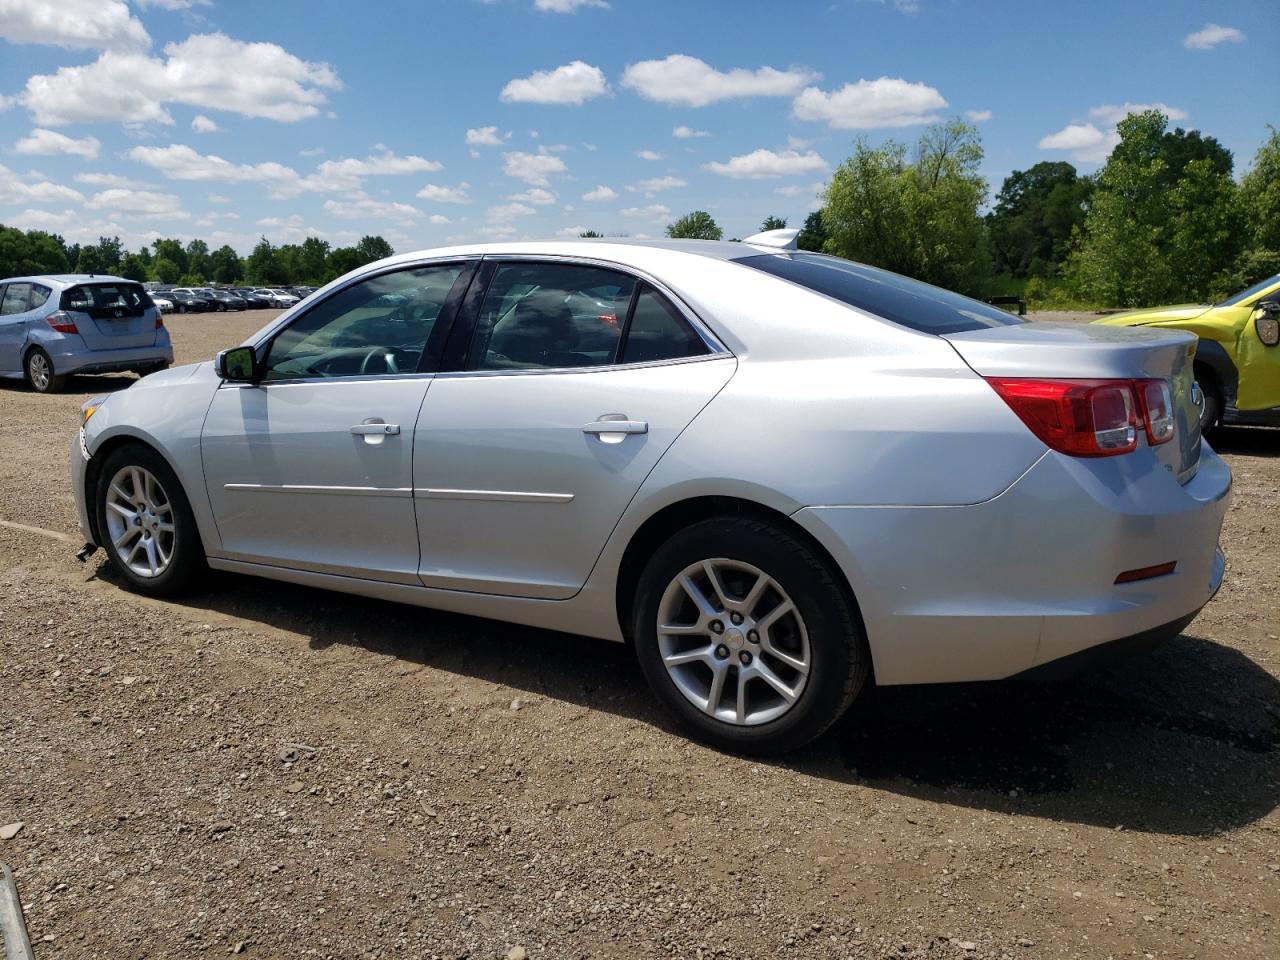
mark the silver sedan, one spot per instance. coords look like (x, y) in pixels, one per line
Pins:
(780, 476)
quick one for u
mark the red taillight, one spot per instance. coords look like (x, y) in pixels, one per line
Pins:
(1156, 401)
(1084, 418)
(159, 320)
(62, 322)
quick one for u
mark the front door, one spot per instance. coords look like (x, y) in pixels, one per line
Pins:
(312, 467)
(577, 381)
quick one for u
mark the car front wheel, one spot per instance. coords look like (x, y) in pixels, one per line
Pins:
(146, 523)
(746, 635)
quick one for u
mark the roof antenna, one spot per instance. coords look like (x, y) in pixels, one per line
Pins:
(783, 239)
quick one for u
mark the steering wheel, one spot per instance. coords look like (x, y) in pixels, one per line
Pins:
(386, 356)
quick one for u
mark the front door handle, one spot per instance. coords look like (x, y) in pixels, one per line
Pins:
(376, 429)
(616, 423)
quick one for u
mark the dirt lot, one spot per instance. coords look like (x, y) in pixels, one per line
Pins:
(272, 771)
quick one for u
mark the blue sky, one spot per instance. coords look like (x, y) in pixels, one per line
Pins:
(442, 120)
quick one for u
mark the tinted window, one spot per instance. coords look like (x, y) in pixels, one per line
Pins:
(103, 300)
(39, 295)
(908, 302)
(538, 315)
(658, 332)
(15, 299)
(378, 327)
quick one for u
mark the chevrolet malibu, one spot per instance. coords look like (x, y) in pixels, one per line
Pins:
(52, 327)
(780, 476)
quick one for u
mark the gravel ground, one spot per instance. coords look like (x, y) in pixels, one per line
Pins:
(272, 771)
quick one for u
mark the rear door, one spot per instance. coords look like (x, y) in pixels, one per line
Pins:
(13, 310)
(112, 315)
(570, 382)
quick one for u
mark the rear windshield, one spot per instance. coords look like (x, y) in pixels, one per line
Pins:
(902, 300)
(106, 299)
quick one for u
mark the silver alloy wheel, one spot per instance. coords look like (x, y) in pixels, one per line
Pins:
(39, 371)
(733, 642)
(140, 521)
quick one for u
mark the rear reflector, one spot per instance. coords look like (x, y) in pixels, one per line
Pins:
(1146, 573)
(62, 322)
(1090, 418)
(159, 320)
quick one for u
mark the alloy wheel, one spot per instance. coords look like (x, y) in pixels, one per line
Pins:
(39, 370)
(733, 642)
(140, 521)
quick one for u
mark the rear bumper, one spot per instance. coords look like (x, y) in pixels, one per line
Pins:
(985, 591)
(83, 360)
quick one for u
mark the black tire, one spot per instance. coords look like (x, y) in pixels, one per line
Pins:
(182, 308)
(840, 657)
(1211, 411)
(187, 562)
(38, 368)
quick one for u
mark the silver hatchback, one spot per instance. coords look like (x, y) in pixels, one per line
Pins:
(54, 326)
(780, 476)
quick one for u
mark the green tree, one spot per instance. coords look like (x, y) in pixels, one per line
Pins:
(132, 267)
(171, 250)
(226, 265)
(697, 225)
(813, 234)
(30, 252)
(773, 223)
(1151, 237)
(1035, 215)
(289, 263)
(373, 248)
(1181, 147)
(342, 261)
(260, 266)
(90, 260)
(1260, 209)
(198, 261)
(165, 270)
(917, 216)
(591, 235)
(315, 257)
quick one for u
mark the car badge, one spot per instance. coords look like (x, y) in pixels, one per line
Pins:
(119, 313)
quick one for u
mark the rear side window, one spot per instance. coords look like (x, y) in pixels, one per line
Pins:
(106, 300)
(899, 299)
(39, 295)
(15, 299)
(658, 332)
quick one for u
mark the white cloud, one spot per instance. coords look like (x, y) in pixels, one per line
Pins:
(440, 194)
(687, 80)
(532, 168)
(572, 233)
(656, 212)
(535, 195)
(33, 189)
(978, 116)
(1211, 35)
(205, 70)
(485, 137)
(78, 24)
(657, 184)
(568, 6)
(438, 218)
(509, 211)
(648, 155)
(148, 203)
(202, 124)
(173, 4)
(75, 227)
(347, 173)
(1085, 142)
(218, 198)
(367, 208)
(94, 179)
(765, 164)
(1111, 114)
(683, 132)
(47, 143)
(311, 152)
(871, 104)
(601, 192)
(798, 190)
(575, 83)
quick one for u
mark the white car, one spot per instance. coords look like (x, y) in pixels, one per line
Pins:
(779, 475)
(277, 298)
(163, 304)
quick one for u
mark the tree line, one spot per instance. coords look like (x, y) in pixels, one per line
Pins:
(1162, 220)
(313, 262)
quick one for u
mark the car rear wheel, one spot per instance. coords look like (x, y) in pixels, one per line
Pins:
(1211, 402)
(146, 523)
(40, 375)
(745, 634)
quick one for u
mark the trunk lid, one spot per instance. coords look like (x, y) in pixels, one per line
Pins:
(1084, 351)
(111, 315)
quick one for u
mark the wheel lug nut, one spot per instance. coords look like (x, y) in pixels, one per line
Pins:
(722, 651)
(736, 618)
(753, 636)
(745, 658)
(717, 626)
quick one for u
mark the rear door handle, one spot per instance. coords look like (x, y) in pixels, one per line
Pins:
(376, 429)
(616, 423)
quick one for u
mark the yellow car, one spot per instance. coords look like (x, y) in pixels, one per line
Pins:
(1237, 359)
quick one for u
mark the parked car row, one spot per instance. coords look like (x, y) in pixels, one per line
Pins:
(220, 299)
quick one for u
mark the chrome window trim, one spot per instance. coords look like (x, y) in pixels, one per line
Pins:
(354, 378)
(699, 326)
(599, 368)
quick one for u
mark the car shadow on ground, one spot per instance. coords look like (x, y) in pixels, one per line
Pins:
(1247, 441)
(80, 383)
(1182, 740)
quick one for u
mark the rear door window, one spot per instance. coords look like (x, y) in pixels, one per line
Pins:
(907, 302)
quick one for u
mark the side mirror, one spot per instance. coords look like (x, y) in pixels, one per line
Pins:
(1267, 323)
(238, 365)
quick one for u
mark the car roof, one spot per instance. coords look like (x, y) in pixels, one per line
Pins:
(68, 279)
(607, 248)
